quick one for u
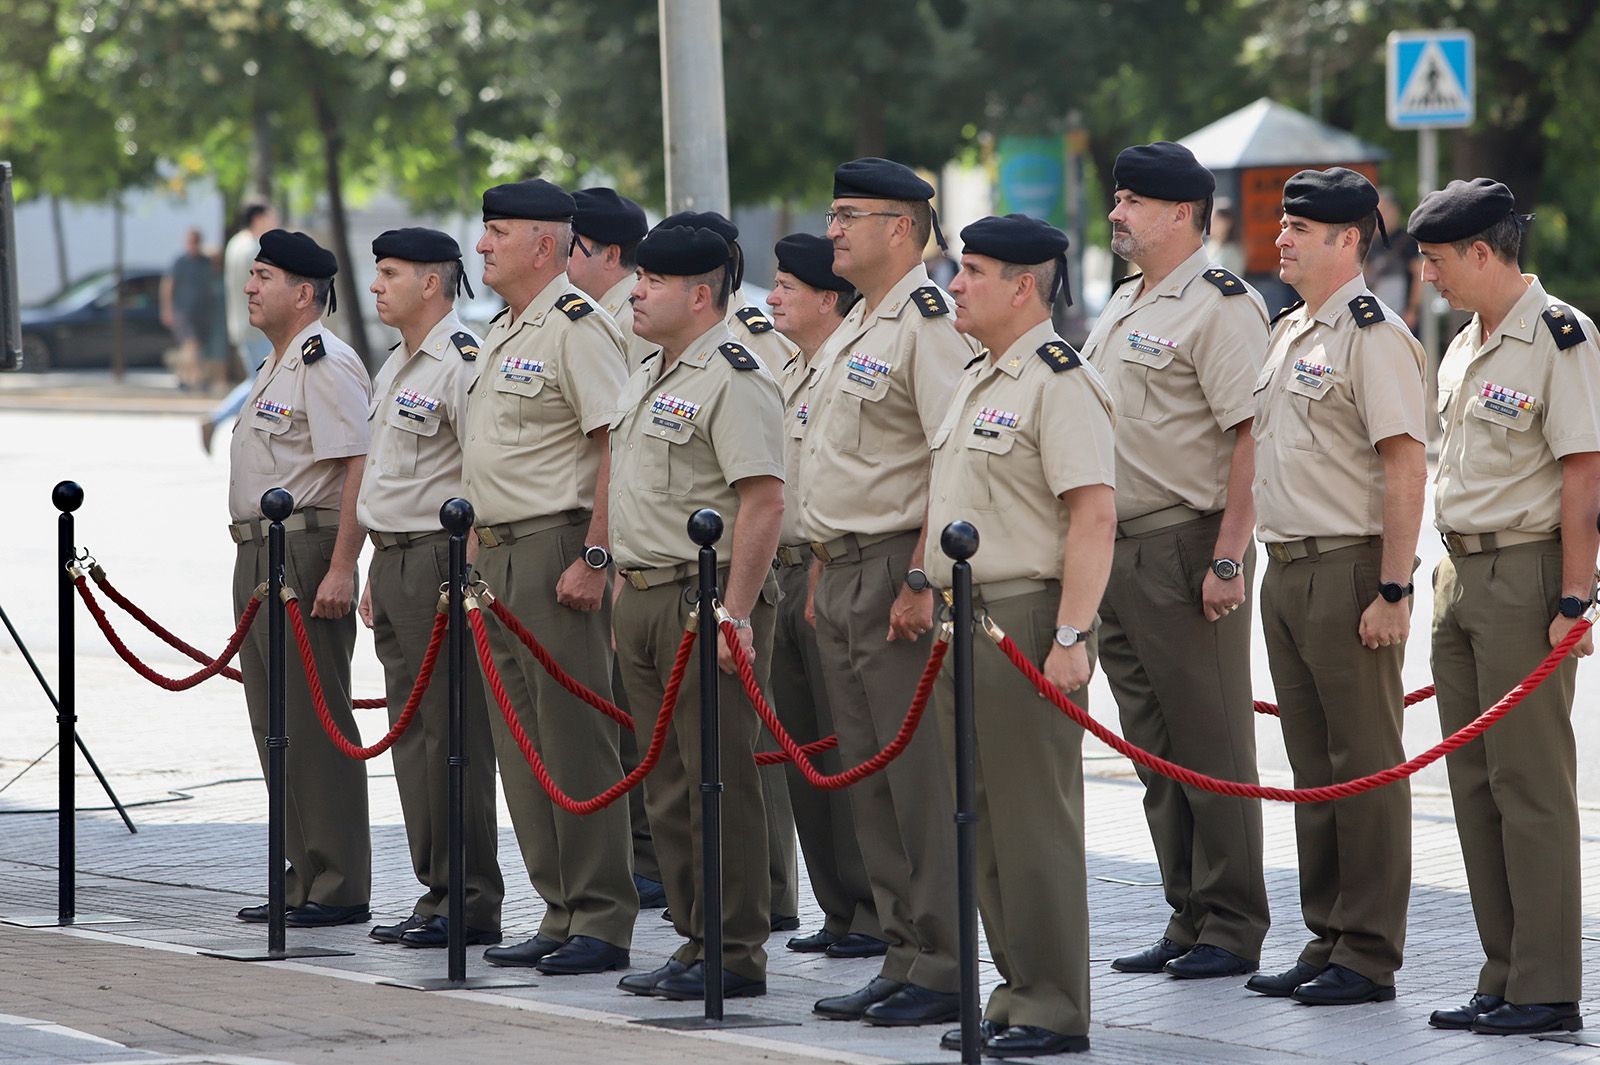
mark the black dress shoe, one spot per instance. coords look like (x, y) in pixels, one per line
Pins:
(815, 943)
(913, 1005)
(691, 984)
(391, 933)
(987, 1030)
(583, 954)
(1205, 961)
(524, 954)
(1283, 985)
(435, 932)
(256, 914)
(1026, 1041)
(785, 924)
(1460, 1019)
(1339, 986)
(651, 893)
(645, 983)
(850, 1007)
(318, 915)
(1151, 959)
(858, 945)
(1530, 1019)
(666, 915)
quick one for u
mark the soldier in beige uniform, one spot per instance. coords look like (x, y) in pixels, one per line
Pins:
(808, 302)
(748, 324)
(536, 470)
(1515, 496)
(304, 429)
(606, 231)
(882, 385)
(1027, 455)
(413, 467)
(1181, 345)
(1340, 478)
(700, 426)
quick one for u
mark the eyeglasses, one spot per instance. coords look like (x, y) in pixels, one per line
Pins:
(848, 217)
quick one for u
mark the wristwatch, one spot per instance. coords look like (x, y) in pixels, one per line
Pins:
(1226, 569)
(917, 580)
(1067, 636)
(1393, 593)
(596, 557)
(1573, 607)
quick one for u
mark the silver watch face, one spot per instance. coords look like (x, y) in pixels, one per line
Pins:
(1067, 636)
(1225, 568)
(596, 557)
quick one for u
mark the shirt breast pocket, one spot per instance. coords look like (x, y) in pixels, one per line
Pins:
(1493, 433)
(412, 427)
(987, 455)
(1305, 412)
(1135, 377)
(516, 418)
(667, 465)
(854, 425)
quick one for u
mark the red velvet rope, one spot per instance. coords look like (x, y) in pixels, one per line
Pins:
(1326, 792)
(552, 667)
(1421, 695)
(320, 702)
(212, 667)
(150, 623)
(826, 743)
(815, 777)
(652, 754)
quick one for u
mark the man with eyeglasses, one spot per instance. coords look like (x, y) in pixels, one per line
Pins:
(883, 382)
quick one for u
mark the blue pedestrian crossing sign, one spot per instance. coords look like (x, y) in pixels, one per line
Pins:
(1431, 83)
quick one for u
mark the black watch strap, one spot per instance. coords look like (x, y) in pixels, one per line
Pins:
(1573, 607)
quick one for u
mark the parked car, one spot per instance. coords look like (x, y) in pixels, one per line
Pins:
(76, 329)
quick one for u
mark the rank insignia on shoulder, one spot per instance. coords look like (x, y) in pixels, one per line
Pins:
(1226, 283)
(754, 320)
(930, 301)
(1059, 356)
(574, 306)
(1564, 327)
(467, 344)
(1124, 279)
(738, 356)
(1295, 306)
(1365, 310)
(312, 349)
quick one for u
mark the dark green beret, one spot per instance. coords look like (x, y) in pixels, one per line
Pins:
(682, 251)
(605, 216)
(1460, 210)
(417, 245)
(1164, 171)
(296, 253)
(879, 179)
(1336, 195)
(810, 258)
(534, 198)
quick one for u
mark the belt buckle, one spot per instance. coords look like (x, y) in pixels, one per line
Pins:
(820, 550)
(486, 537)
(1454, 543)
(636, 579)
(1279, 552)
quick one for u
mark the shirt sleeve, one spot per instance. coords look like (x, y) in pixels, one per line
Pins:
(1386, 363)
(1077, 441)
(593, 371)
(937, 354)
(1572, 409)
(1229, 351)
(747, 432)
(338, 395)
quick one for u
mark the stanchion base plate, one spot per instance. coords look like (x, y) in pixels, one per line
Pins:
(699, 1023)
(471, 983)
(287, 954)
(50, 920)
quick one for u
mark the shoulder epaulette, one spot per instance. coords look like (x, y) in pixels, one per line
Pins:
(1226, 283)
(930, 301)
(1123, 280)
(312, 349)
(738, 356)
(1564, 327)
(1059, 356)
(467, 344)
(1295, 306)
(1365, 310)
(754, 320)
(501, 313)
(574, 306)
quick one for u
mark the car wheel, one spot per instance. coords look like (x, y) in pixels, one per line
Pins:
(36, 353)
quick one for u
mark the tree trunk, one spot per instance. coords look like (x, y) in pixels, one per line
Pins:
(869, 122)
(349, 295)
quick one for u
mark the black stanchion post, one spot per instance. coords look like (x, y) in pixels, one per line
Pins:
(277, 504)
(68, 497)
(456, 517)
(705, 529)
(960, 542)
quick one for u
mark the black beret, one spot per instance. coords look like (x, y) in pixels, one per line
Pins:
(721, 225)
(605, 216)
(1460, 210)
(1334, 195)
(682, 251)
(810, 258)
(1016, 238)
(1163, 170)
(417, 245)
(296, 253)
(535, 198)
(879, 179)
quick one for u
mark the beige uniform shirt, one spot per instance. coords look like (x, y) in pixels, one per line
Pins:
(794, 383)
(545, 380)
(1512, 409)
(419, 403)
(882, 386)
(617, 302)
(1330, 390)
(306, 411)
(685, 433)
(1181, 359)
(751, 327)
(1021, 430)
